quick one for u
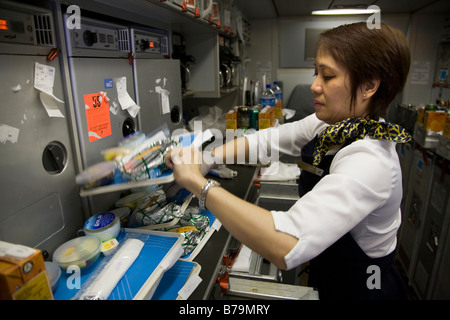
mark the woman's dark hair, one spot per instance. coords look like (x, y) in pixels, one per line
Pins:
(370, 54)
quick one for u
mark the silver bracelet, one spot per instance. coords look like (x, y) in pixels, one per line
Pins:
(208, 185)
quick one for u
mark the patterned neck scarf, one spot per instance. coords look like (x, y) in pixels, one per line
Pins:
(353, 129)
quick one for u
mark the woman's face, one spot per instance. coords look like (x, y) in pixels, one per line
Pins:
(331, 90)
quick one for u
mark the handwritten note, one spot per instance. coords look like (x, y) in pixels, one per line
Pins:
(44, 79)
(126, 102)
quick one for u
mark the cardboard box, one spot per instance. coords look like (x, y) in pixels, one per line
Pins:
(447, 127)
(231, 119)
(266, 118)
(24, 279)
(279, 109)
(434, 121)
(420, 114)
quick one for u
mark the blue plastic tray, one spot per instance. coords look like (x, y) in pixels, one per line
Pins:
(157, 246)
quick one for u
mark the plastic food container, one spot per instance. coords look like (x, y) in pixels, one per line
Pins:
(97, 175)
(53, 273)
(81, 252)
(109, 247)
(122, 213)
(104, 226)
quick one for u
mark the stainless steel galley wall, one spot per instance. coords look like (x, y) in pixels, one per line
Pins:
(40, 204)
(67, 94)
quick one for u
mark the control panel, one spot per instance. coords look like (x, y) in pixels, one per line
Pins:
(98, 38)
(152, 43)
(95, 37)
(32, 28)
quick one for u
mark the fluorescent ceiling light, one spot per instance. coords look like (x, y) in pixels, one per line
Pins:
(344, 11)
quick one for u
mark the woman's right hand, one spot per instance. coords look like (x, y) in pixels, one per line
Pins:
(186, 164)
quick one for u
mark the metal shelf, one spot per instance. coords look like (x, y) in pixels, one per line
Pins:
(165, 178)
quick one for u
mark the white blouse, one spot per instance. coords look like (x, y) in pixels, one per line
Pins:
(361, 194)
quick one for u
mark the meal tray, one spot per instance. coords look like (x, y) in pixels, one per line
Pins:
(160, 252)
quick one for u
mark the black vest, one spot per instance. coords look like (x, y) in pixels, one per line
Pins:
(344, 271)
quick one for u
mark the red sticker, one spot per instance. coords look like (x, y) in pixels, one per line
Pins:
(97, 116)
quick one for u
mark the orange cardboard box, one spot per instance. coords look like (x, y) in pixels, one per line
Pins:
(266, 118)
(24, 279)
(434, 120)
(447, 127)
(420, 114)
(279, 109)
(231, 119)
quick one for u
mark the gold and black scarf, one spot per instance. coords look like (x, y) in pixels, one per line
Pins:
(353, 129)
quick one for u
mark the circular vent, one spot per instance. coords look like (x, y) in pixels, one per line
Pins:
(54, 157)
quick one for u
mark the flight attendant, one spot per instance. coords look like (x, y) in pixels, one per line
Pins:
(346, 220)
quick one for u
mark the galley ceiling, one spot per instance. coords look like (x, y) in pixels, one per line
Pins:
(263, 9)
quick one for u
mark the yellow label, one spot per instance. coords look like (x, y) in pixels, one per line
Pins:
(108, 244)
(447, 127)
(278, 112)
(231, 124)
(264, 123)
(35, 289)
(146, 152)
(184, 229)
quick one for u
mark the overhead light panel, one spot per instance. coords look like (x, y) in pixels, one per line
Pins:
(346, 11)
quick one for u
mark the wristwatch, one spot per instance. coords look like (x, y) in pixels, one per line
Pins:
(208, 185)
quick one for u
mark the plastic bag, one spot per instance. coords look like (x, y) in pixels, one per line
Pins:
(154, 210)
(194, 225)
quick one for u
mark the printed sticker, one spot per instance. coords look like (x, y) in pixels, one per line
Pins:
(97, 115)
(108, 83)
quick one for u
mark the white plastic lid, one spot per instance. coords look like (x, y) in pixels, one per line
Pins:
(77, 251)
(15, 251)
(100, 221)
